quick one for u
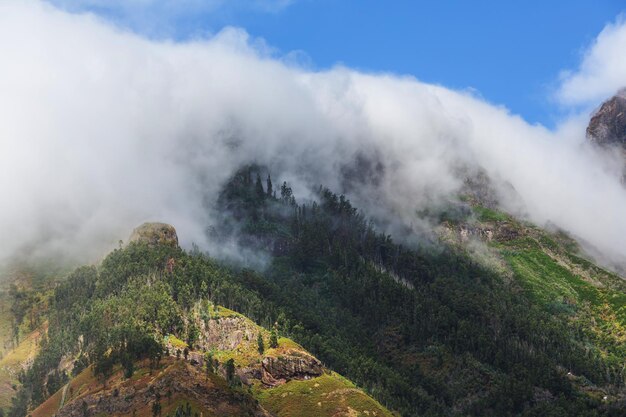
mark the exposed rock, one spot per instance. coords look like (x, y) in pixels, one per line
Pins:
(479, 189)
(183, 380)
(238, 333)
(607, 126)
(155, 234)
(292, 365)
(226, 333)
(500, 231)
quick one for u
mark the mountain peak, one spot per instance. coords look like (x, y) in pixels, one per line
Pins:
(607, 126)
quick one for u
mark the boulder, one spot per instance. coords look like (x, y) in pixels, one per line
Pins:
(291, 365)
(155, 234)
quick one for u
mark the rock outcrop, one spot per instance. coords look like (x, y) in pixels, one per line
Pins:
(500, 231)
(183, 381)
(607, 126)
(155, 234)
(227, 333)
(291, 365)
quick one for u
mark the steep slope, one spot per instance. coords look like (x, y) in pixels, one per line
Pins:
(607, 126)
(500, 319)
(136, 333)
(172, 384)
(15, 361)
(556, 275)
(448, 329)
(22, 326)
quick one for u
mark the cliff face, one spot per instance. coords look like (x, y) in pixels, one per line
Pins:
(607, 126)
(282, 381)
(173, 383)
(290, 365)
(237, 336)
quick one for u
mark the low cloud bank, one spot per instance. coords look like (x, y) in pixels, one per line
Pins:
(102, 130)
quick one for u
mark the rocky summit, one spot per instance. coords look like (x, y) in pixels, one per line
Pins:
(607, 126)
(155, 234)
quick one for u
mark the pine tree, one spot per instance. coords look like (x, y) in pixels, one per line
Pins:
(269, 186)
(156, 406)
(273, 339)
(230, 370)
(259, 187)
(260, 343)
(285, 192)
(156, 409)
(208, 364)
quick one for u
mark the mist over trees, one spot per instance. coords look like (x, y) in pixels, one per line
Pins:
(416, 328)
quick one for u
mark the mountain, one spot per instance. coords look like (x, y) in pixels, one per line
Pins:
(493, 317)
(137, 336)
(607, 126)
(281, 380)
(500, 318)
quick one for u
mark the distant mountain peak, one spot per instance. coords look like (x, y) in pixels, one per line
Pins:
(607, 126)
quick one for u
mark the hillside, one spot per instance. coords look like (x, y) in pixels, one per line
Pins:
(15, 361)
(284, 380)
(556, 275)
(498, 318)
(477, 325)
(133, 333)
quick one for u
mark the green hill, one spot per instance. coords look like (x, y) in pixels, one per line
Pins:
(556, 276)
(499, 318)
(136, 331)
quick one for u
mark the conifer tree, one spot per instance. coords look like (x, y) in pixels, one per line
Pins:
(269, 186)
(259, 187)
(261, 343)
(230, 370)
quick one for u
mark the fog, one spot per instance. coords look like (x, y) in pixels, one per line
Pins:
(602, 71)
(102, 130)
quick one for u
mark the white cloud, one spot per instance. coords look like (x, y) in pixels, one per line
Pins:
(602, 71)
(102, 130)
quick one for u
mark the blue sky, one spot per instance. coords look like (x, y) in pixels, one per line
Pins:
(511, 53)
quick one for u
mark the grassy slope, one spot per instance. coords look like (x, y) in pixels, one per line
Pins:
(549, 267)
(327, 395)
(5, 323)
(12, 363)
(86, 383)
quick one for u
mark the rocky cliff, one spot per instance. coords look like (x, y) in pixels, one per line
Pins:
(173, 383)
(607, 126)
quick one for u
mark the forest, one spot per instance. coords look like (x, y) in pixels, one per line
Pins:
(427, 331)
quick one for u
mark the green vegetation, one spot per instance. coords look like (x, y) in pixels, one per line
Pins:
(261, 344)
(589, 299)
(485, 214)
(324, 395)
(427, 332)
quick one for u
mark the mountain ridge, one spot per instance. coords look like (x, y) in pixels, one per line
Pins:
(501, 318)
